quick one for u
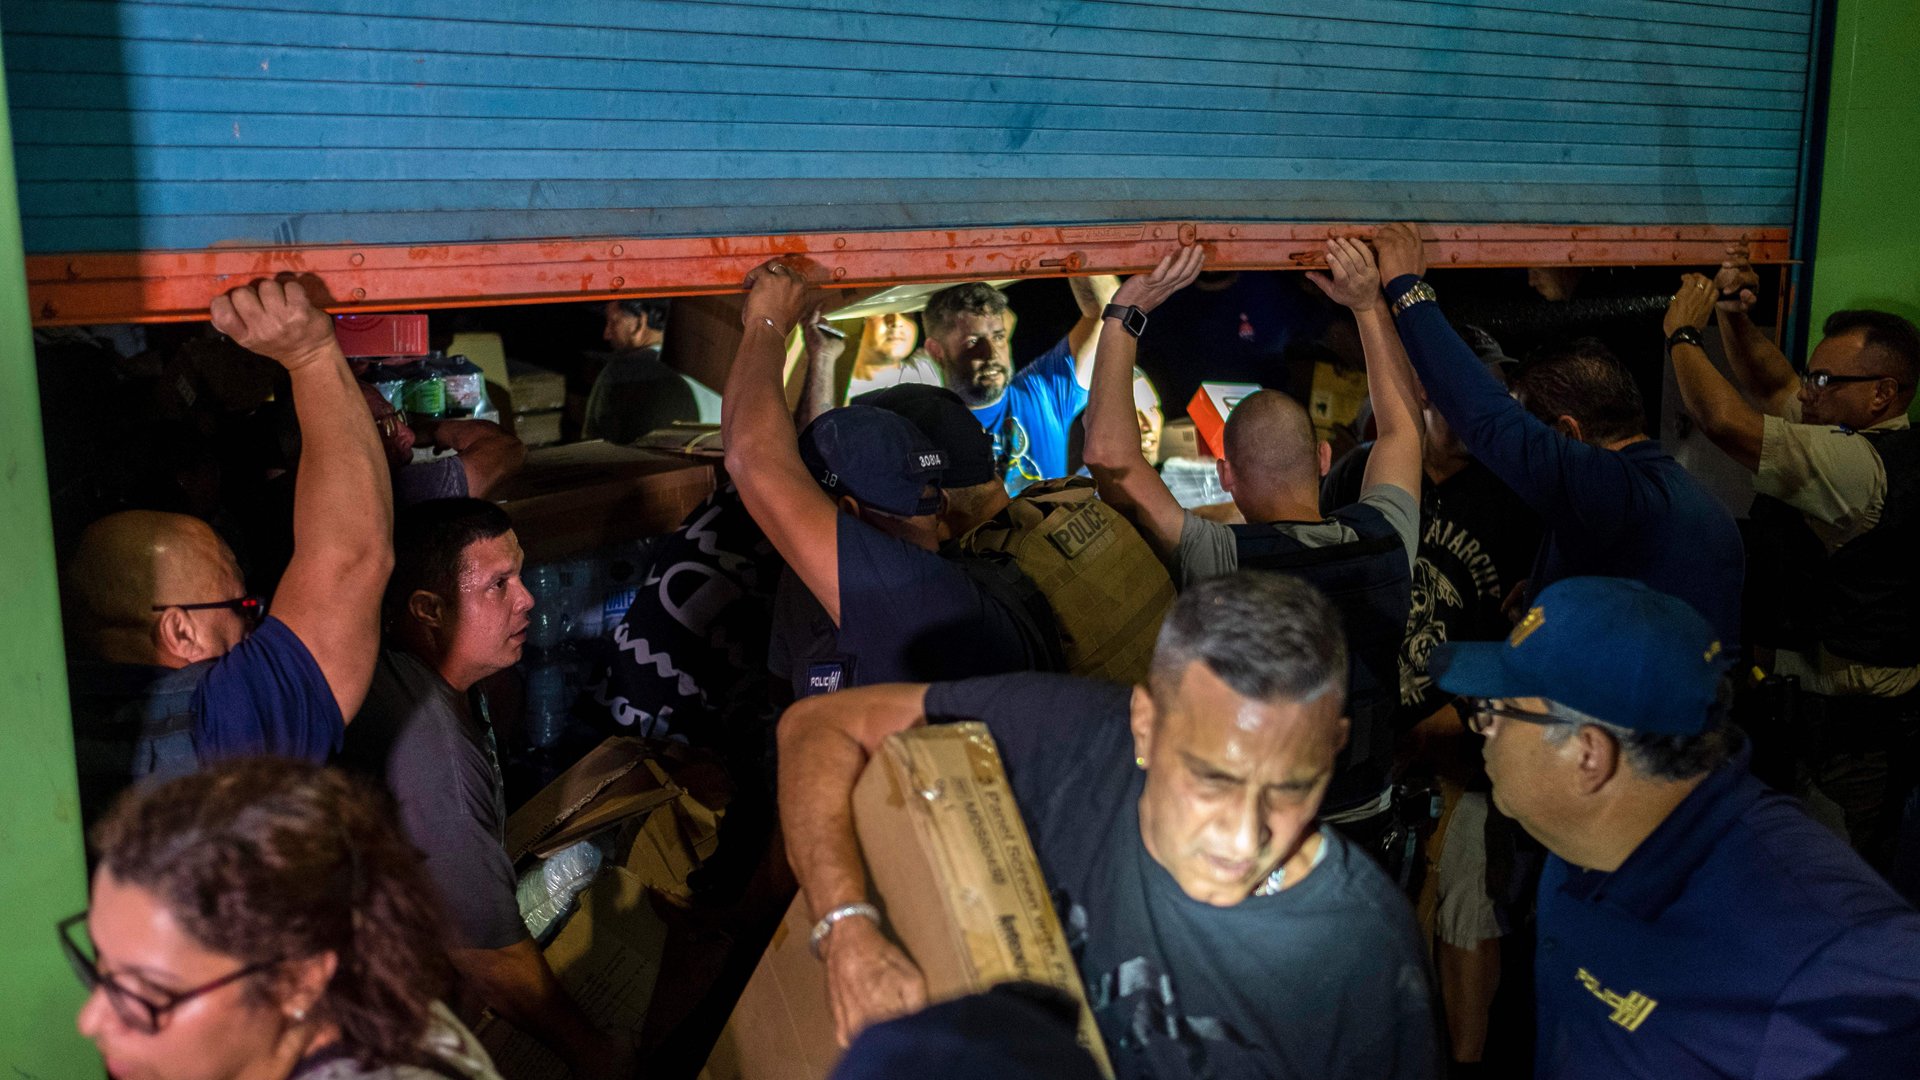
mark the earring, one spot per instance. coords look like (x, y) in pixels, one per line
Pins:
(299, 1015)
(1140, 761)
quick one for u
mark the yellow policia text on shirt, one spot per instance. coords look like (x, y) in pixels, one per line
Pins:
(1629, 1010)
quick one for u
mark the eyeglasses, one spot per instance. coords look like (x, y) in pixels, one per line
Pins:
(1479, 714)
(136, 1011)
(250, 608)
(1820, 380)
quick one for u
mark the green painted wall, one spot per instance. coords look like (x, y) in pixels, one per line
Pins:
(1867, 253)
(42, 866)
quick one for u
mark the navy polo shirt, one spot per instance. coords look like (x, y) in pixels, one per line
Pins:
(1740, 939)
(906, 615)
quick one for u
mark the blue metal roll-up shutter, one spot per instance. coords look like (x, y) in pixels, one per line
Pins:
(182, 125)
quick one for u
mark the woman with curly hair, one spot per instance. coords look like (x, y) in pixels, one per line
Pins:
(262, 920)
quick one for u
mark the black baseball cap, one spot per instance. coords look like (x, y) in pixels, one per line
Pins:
(940, 414)
(876, 456)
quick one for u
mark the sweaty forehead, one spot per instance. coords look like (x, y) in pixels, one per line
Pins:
(1273, 740)
(483, 559)
(972, 324)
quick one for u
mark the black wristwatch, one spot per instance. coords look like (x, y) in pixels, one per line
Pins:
(1132, 318)
(1686, 335)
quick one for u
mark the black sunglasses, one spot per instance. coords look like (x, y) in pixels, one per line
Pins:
(250, 608)
(1479, 714)
(136, 1011)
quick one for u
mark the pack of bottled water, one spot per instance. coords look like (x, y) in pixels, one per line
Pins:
(577, 603)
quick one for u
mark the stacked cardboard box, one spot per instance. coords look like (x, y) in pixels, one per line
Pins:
(535, 398)
(584, 497)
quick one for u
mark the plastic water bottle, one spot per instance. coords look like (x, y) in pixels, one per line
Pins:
(622, 574)
(549, 702)
(580, 579)
(546, 892)
(551, 620)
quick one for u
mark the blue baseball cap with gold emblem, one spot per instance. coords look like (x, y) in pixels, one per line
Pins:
(1609, 647)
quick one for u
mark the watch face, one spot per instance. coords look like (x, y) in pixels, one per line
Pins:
(1132, 319)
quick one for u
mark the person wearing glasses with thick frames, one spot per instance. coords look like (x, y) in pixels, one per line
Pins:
(1691, 921)
(178, 664)
(1837, 519)
(261, 920)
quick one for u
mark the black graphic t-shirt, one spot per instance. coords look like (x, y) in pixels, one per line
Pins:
(1477, 541)
(689, 656)
(1324, 979)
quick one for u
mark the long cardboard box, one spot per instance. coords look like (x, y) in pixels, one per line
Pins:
(953, 871)
(575, 499)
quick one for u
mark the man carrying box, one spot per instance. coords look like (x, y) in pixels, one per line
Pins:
(1219, 929)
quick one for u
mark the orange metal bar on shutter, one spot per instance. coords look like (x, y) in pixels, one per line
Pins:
(174, 286)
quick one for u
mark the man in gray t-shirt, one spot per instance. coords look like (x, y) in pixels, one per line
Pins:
(456, 613)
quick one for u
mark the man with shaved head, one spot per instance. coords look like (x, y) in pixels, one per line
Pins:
(178, 664)
(1361, 556)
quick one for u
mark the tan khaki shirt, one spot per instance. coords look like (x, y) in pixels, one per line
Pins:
(1835, 478)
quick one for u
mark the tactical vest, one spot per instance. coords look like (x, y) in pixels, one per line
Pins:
(1370, 584)
(131, 722)
(1102, 586)
(1862, 600)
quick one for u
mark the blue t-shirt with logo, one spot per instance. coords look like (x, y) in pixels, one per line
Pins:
(1029, 423)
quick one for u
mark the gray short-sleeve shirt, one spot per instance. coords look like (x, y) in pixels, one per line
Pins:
(1207, 548)
(437, 758)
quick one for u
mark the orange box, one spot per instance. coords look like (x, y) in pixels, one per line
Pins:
(381, 335)
(1209, 409)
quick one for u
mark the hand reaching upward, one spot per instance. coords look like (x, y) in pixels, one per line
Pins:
(1355, 283)
(1151, 289)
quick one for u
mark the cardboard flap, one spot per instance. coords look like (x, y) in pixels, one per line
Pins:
(606, 786)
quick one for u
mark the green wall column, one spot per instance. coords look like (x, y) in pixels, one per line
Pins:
(1867, 252)
(42, 861)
